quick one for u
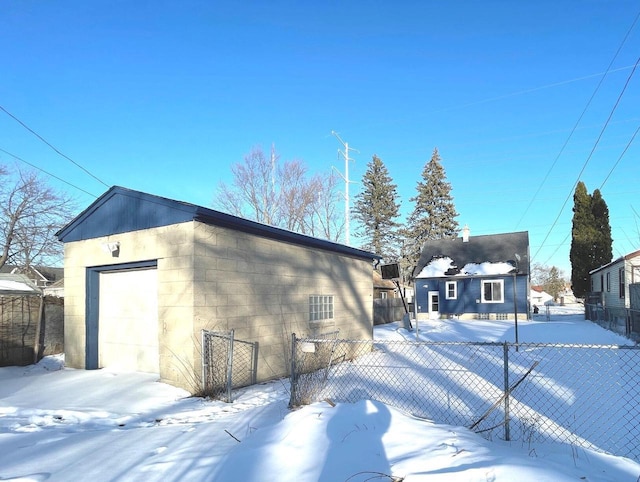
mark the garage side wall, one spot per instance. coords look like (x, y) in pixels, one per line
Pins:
(172, 247)
(261, 287)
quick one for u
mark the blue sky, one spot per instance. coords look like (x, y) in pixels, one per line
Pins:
(164, 97)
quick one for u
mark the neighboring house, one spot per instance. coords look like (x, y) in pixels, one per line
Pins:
(12, 284)
(383, 288)
(388, 305)
(55, 289)
(613, 283)
(566, 295)
(40, 276)
(473, 277)
(539, 297)
(145, 274)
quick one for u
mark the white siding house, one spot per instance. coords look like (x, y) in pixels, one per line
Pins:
(612, 280)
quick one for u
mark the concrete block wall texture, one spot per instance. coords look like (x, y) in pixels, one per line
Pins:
(172, 247)
(262, 290)
(220, 279)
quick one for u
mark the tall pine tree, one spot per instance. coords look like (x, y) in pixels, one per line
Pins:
(591, 243)
(434, 213)
(603, 243)
(376, 208)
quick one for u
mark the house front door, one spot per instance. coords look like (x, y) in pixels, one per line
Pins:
(434, 305)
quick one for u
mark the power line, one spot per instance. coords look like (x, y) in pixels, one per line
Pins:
(620, 157)
(586, 162)
(50, 145)
(47, 173)
(542, 87)
(566, 142)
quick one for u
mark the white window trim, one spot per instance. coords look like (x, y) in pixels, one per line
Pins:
(455, 290)
(500, 282)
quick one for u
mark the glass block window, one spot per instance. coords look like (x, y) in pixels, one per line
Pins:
(320, 307)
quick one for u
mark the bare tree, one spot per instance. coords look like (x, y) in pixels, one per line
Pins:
(539, 273)
(327, 219)
(281, 194)
(294, 197)
(550, 278)
(32, 212)
(252, 194)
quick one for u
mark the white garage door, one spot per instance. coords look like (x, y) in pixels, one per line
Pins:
(128, 320)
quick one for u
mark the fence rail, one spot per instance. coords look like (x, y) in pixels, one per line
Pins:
(227, 363)
(582, 395)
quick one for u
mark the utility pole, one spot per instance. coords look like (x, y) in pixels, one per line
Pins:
(345, 154)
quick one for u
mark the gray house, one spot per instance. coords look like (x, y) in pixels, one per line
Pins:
(473, 277)
(144, 275)
(613, 280)
(615, 288)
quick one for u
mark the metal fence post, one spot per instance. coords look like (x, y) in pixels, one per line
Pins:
(254, 362)
(203, 358)
(292, 375)
(230, 367)
(507, 434)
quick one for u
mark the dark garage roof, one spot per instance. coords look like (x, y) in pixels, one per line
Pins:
(121, 210)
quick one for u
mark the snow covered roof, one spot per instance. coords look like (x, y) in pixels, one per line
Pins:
(493, 254)
(440, 267)
(17, 284)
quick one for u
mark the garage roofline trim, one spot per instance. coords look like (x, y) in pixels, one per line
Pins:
(180, 211)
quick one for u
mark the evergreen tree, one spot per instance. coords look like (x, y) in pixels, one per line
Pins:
(376, 208)
(581, 239)
(434, 213)
(603, 243)
(591, 243)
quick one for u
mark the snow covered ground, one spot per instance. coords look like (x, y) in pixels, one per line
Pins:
(60, 424)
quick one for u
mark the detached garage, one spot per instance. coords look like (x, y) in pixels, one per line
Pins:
(145, 274)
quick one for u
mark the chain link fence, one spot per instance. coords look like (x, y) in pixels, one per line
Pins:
(583, 395)
(227, 363)
(623, 321)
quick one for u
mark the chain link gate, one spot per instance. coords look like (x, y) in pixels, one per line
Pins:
(227, 363)
(583, 395)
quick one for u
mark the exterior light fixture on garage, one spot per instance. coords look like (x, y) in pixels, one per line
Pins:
(113, 248)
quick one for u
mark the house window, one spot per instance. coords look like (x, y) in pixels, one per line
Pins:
(452, 290)
(320, 307)
(383, 295)
(621, 278)
(608, 282)
(493, 291)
